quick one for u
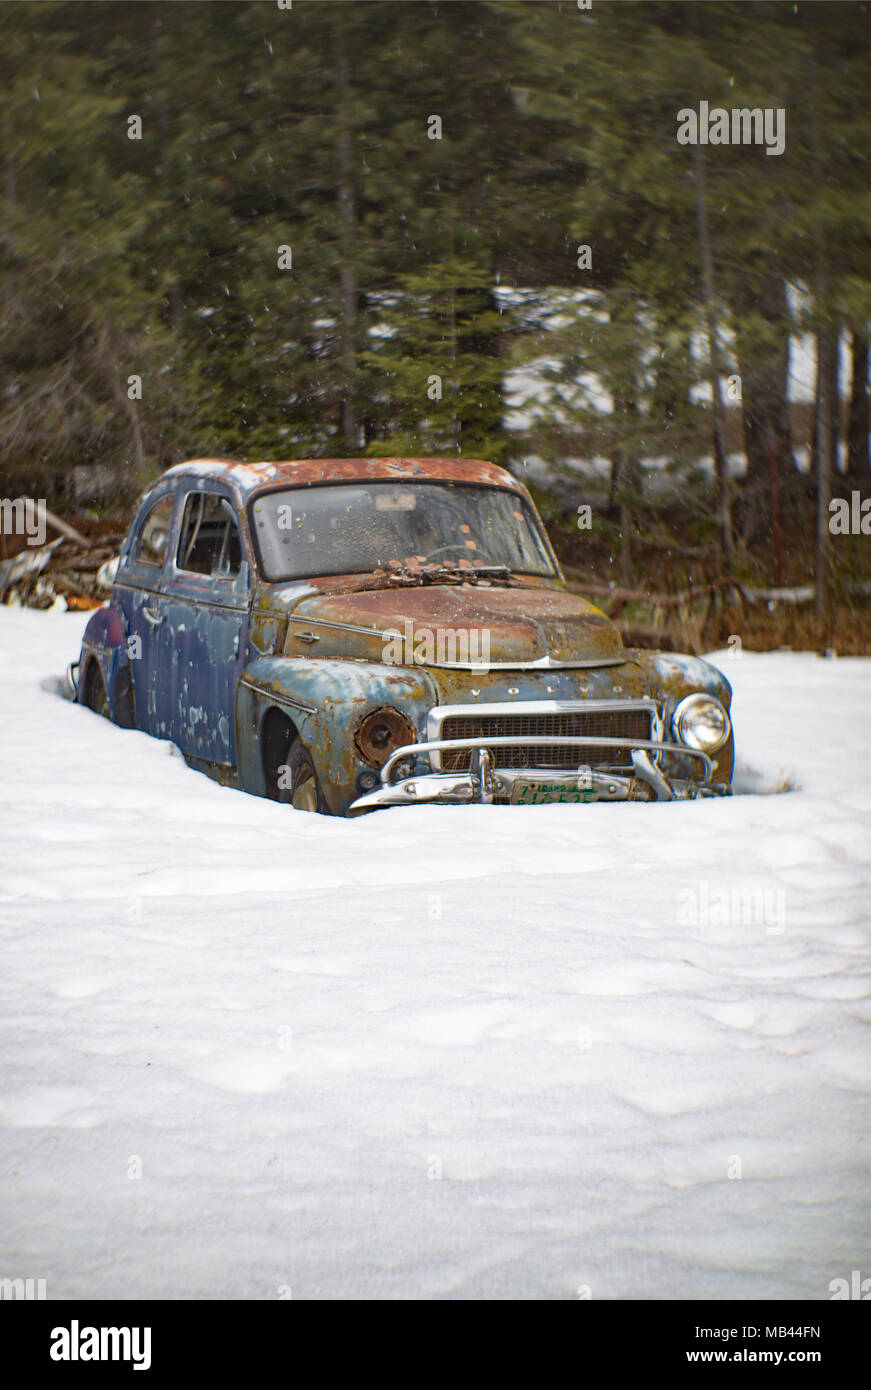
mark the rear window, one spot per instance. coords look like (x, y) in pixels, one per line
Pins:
(153, 538)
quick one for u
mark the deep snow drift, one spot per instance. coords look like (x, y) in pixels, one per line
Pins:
(535, 1052)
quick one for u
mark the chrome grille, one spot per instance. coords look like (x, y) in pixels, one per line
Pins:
(629, 721)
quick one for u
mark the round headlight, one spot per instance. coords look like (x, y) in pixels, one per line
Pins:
(381, 732)
(701, 721)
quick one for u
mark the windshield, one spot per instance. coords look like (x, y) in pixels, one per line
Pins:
(355, 528)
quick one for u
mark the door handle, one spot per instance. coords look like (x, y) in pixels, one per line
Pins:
(151, 617)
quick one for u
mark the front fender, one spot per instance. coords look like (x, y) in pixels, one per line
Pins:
(671, 676)
(324, 699)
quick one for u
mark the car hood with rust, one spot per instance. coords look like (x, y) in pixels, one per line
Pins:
(521, 625)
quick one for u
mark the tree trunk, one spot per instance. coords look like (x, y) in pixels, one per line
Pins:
(159, 64)
(814, 442)
(827, 349)
(858, 462)
(764, 356)
(348, 271)
(719, 430)
(107, 359)
(626, 481)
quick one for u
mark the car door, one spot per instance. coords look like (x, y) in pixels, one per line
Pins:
(204, 610)
(137, 593)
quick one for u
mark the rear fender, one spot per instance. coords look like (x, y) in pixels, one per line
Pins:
(105, 642)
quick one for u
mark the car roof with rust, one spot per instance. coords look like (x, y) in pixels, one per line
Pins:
(248, 478)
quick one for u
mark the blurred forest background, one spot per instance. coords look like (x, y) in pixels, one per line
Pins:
(652, 379)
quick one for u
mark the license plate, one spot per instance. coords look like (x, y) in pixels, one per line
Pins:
(537, 794)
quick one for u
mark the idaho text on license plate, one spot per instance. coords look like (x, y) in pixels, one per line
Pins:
(536, 794)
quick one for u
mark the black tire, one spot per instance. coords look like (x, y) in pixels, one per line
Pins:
(124, 712)
(96, 698)
(298, 784)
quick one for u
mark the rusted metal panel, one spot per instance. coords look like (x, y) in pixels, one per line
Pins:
(325, 701)
(248, 478)
(539, 624)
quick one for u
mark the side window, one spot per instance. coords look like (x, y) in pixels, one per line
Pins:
(150, 546)
(210, 541)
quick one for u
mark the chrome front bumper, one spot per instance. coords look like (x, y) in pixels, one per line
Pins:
(71, 681)
(485, 783)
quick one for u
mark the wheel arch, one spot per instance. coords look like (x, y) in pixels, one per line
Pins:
(322, 699)
(104, 645)
(277, 734)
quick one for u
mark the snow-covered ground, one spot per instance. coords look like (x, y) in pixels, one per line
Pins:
(546, 1052)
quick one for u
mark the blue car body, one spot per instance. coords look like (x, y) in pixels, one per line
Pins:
(239, 670)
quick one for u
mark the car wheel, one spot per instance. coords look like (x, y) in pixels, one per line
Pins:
(95, 692)
(124, 712)
(298, 781)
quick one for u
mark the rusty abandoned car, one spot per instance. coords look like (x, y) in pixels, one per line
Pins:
(358, 633)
